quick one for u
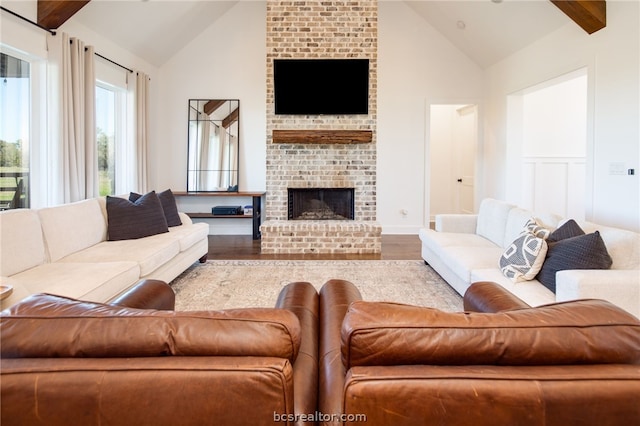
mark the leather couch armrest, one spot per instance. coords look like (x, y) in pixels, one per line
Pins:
(302, 299)
(147, 294)
(335, 298)
(486, 296)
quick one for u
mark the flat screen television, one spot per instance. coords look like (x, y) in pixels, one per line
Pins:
(321, 86)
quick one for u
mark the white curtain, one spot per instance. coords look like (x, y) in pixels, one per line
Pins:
(141, 132)
(205, 143)
(73, 173)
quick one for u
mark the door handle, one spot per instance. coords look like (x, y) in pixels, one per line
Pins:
(460, 180)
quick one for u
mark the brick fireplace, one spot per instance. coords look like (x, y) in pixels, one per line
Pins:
(322, 29)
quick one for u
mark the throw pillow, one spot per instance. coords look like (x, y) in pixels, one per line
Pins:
(169, 206)
(568, 229)
(533, 227)
(523, 259)
(581, 252)
(130, 220)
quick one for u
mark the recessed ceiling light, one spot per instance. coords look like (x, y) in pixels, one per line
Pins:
(461, 25)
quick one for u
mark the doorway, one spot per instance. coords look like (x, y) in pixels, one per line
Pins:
(453, 140)
(547, 146)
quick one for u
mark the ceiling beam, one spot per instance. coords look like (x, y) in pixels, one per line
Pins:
(231, 118)
(53, 13)
(213, 105)
(591, 15)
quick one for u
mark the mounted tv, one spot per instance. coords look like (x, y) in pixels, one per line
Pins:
(321, 86)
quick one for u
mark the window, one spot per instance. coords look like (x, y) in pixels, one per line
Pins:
(110, 106)
(15, 96)
(105, 138)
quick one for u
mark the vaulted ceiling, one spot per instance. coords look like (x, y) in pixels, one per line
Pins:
(485, 30)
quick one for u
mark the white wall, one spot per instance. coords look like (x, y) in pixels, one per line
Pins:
(611, 56)
(226, 61)
(417, 67)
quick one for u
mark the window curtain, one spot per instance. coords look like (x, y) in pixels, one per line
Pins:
(141, 132)
(72, 132)
(205, 143)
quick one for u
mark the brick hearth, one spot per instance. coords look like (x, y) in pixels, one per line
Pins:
(322, 29)
(321, 236)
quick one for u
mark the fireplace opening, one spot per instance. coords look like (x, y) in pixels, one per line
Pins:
(320, 203)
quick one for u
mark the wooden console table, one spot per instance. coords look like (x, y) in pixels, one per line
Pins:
(256, 203)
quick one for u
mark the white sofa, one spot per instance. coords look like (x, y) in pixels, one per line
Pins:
(64, 250)
(465, 249)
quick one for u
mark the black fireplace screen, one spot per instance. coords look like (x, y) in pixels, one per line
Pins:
(321, 203)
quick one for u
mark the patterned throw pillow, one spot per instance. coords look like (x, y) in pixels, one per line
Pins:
(523, 259)
(533, 227)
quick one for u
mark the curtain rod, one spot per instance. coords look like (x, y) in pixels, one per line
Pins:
(28, 20)
(52, 32)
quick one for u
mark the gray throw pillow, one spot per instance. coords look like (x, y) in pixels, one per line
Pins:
(581, 252)
(568, 229)
(169, 206)
(128, 220)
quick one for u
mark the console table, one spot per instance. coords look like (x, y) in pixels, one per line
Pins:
(256, 202)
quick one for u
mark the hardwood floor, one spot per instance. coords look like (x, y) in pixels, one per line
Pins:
(243, 247)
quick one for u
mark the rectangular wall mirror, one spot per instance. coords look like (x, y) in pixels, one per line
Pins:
(214, 127)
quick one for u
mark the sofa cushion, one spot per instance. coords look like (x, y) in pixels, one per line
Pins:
(62, 327)
(532, 292)
(623, 245)
(581, 252)
(189, 234)
(21, 243)
(578, 332)
(92, 281)
(435, 240)
(169, 207)
(463, 260)
(523, 259)
(150, 253)
(519, 218)
(131, 220)
(69, 228)
(492, 220)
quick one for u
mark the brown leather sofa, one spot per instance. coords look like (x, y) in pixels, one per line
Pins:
(71, 362)
(572, 363)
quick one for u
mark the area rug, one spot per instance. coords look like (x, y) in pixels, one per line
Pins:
(223, 284)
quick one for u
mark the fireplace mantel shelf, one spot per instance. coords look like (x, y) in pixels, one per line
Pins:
(322, 136)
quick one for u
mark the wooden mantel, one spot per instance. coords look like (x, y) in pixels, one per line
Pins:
(322, 136)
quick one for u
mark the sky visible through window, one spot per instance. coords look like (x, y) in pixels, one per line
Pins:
(14, 118)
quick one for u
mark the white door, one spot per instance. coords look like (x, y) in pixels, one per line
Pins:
(453, 137)
(465, 138)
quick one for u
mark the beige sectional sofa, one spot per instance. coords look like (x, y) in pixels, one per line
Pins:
(465, 249)
(64, 250)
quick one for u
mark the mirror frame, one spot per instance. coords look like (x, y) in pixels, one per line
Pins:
(233, 115)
